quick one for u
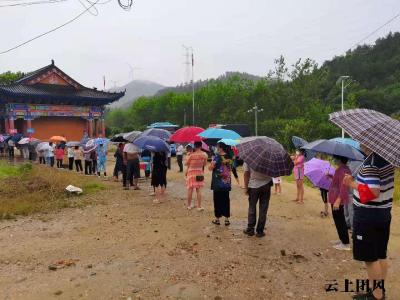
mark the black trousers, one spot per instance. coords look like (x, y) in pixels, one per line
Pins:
(222, 204)
(51, 161)
(132, 171)
(179, 159)
(94, 166)
(341, 225)
(324, 195)
(262, 196)
(234, 172)
(11, 151)
(70, 163)
(88, 167)
(42, 160)
(78, 165)
(124, 175)
(169, 163)
(59, 163)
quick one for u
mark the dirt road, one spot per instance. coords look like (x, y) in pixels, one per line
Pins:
(126, 247)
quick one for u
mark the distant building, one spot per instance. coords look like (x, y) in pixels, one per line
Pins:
(48, 102)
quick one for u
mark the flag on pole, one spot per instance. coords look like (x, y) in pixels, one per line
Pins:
(104, 82)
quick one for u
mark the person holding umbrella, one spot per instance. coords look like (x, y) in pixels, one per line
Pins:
(159, 175)
(373, 188)
(338, 197)
(263, 158)
(101, 160)
(119, 161)
(131, 166)
(221, 168)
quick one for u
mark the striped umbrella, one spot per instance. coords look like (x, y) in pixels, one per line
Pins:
(375, 130)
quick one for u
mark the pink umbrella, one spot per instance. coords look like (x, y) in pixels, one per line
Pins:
(204, 146)
(316, 169)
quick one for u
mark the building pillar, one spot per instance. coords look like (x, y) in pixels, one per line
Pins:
(96, 127)
(6, 126)
(11, 120)
(28, 125)
(90, 128)
(103, 127)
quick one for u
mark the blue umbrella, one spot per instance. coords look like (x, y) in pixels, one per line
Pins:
(348, 141)
(160, 133)
(16, 137)
(218, 133)
(299, 142)
(229, 142)
(334, 148)
(152, 143)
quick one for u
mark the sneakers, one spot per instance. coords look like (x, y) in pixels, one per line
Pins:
(260, 234)
(342, 247)
(200, 209)
(249, 232)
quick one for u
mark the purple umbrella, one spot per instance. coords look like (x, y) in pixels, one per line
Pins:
(160, 133)
(316, 170)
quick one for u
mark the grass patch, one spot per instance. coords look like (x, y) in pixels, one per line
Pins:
(27, 189)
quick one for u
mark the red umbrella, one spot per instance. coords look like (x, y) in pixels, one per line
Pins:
(187, 135)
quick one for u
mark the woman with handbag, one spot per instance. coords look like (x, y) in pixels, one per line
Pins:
(195, 174)
(221, 168)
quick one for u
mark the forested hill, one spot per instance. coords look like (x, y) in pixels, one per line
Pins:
(296, 98)
(187, 88)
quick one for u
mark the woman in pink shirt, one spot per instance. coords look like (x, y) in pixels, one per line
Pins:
(338, 197)
(298, 172)
(59, 153)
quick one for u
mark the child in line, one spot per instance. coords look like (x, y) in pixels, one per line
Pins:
(277, 183)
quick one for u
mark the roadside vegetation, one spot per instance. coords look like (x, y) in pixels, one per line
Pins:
(27, 189)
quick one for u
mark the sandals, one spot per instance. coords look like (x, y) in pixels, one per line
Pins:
(323, 214)
(216, 222)
(227, 223)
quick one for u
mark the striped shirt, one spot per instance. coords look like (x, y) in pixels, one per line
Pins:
(377, 173)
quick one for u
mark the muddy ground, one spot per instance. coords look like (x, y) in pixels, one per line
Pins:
(126, 247)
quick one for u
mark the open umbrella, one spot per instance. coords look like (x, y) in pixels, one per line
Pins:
(58, 138)
(118, 138)
(299, 142)
(73, 144)
(160, 133)
(2, 138)
(229, 142)
(375, 130)
(16, 137)
(27, 140)
(316, 170)
(131, 136)
(204, 146)
(43, 146)
(265, 155)
(152, 143)
(89, 149)
(187, 135)
(219, 133)
(348, 141)
(334, 148)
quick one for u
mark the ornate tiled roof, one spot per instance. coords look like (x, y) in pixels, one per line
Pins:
(51, 85)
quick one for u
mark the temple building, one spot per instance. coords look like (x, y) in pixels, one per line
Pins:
(48, 102)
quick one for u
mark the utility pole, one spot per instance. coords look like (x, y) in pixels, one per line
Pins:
(187, 63)
(256, 110)
(343, 79)
(184, 117)
(186, 78)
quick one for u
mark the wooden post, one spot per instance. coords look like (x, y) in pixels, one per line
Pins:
(6, 126)
(11, 120)
(90, 128)
(103, 127)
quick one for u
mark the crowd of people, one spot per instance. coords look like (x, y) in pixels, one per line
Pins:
(359, 205)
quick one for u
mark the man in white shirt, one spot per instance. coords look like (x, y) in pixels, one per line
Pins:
(179, 157)
(131, 169)
(258, 188)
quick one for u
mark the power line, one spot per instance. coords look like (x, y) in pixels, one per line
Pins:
(33, 3)
(50, 31)
(376, 30)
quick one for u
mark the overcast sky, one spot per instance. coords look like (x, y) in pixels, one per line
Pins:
(227, 35)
